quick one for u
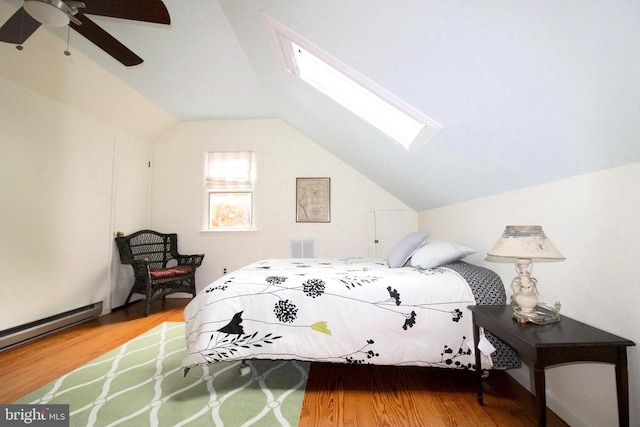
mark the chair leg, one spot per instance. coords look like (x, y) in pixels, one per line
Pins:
(147, 303)
(126, 303)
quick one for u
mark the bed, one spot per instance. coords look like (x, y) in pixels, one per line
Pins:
(350, 310)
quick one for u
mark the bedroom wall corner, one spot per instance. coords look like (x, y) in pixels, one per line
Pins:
(592, 219)
(60, 119)
(55, 183)
(282, 154)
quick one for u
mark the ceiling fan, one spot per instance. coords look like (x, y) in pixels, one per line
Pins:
(73, 13)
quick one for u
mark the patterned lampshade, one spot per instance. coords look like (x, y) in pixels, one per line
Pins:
(525, 242)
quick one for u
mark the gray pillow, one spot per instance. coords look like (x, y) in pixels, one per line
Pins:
(435, 253)
(403, 250)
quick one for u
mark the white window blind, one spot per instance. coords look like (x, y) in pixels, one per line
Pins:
(230, 171)
(229, 186)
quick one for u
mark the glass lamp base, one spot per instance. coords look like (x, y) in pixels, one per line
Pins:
(542, 315)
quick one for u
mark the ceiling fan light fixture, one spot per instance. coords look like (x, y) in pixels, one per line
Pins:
(49, 12)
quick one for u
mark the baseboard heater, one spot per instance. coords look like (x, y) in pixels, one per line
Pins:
(18, 335)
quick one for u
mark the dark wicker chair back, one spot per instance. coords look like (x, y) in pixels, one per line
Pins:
(158, 268)
(157, 248)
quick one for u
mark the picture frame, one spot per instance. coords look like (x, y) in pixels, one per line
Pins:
(313, 199)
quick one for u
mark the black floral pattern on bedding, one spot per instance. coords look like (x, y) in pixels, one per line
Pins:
(487, 289)
(292, 295)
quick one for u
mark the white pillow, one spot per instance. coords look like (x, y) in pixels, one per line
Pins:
(403, 250)
(435, 253)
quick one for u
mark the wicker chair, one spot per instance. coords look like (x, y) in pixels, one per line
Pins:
(158, 268)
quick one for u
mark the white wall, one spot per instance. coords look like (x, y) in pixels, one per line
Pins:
(60, 121)
(55, 185)
(282, 154)
(593, 220)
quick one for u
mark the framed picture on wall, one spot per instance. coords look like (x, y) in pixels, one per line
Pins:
(313, 199)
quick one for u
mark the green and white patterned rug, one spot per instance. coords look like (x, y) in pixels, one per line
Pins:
(141, 384)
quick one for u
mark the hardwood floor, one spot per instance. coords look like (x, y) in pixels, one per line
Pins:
(345, 395)
(336, 395)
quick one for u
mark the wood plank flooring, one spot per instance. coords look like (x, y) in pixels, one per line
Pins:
(336, 395)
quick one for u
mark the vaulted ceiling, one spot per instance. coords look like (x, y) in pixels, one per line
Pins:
(527, 92)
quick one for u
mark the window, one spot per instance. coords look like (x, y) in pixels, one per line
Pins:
(229, 185)
(398, 120)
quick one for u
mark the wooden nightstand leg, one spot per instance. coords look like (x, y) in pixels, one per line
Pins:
(476, 341)
(622, 387)
(541, 398)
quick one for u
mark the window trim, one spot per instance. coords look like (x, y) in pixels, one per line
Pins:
(282, 40)
(207, 190)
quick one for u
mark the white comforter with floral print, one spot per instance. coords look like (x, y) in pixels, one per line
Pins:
(334, 310)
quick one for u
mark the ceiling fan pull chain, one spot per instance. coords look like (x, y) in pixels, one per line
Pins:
(67, 52)
(19, 45)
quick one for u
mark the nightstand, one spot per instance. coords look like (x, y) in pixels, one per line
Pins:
(544, 345)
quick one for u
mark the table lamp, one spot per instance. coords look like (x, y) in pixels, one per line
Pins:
(525, 243)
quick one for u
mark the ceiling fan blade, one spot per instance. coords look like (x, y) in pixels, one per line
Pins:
(105, 41)
(138, 10)
(18, 28)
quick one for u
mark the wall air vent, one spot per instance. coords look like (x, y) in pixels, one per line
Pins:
(302, 248)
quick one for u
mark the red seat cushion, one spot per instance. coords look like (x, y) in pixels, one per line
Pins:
(176, 270)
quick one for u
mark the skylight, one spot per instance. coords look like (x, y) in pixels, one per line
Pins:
(381, 109)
